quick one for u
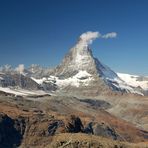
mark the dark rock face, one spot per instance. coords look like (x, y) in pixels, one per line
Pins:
(97, 103)
(74, 124)
(11, 131)
(106, 131)
(20, 125)
(49, 86)
(55, 126)
(89, 128)
(101, 130)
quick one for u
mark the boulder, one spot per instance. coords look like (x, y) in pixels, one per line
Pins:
(55, 127)
(74, 124)
(101, 129)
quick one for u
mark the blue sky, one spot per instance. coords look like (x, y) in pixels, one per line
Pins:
(42, 31)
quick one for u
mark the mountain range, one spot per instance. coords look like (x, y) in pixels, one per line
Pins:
(80, 103)
(79, 72)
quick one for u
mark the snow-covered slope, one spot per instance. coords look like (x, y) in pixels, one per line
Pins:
(134, 80)
(81, 78)
(22, 92)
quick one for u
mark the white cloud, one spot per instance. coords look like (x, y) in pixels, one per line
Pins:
(87, 38)
(109, 35)
(20, 68)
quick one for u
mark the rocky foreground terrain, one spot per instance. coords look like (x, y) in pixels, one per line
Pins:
(57, 121)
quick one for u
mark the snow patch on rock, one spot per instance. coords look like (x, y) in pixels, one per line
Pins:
(81, 78)
(133, 80)
(21, 92)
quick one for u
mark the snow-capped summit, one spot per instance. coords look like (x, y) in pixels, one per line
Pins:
(79, 73)
(81, 60)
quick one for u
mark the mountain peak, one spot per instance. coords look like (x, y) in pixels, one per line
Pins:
(80, 57)
(79, 72)
(81, 60)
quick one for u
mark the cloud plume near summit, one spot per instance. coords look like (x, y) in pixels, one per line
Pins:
(87, 38)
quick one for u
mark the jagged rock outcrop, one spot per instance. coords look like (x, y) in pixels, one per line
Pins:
(18, 80)
(56, 127)
(102, 130)
(11, 131)
(74, 124)
(48, 86)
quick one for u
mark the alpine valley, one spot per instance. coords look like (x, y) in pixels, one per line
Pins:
(79, 103)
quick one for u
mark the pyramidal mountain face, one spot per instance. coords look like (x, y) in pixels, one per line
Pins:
(79, 73)
(80, 58)
(79, 69)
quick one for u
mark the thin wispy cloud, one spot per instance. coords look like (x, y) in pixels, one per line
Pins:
(109, 35)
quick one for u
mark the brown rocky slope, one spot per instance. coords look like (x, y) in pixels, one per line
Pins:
(35, 123)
